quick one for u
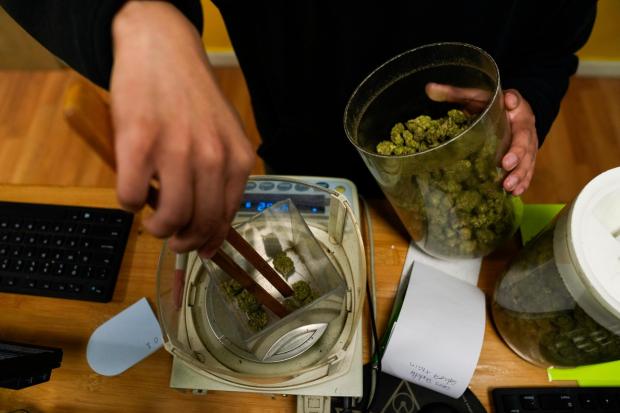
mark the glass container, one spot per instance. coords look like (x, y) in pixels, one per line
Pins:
(559, 302)
(450, 196)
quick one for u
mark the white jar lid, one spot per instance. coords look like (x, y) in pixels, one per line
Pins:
(593, 238)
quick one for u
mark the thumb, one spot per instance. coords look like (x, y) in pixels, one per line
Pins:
(512, 99)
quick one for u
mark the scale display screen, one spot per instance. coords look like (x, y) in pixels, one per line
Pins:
(307, 203)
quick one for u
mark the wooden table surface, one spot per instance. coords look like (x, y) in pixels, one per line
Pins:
(67, 324)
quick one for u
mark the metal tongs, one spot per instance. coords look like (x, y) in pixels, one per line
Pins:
(88, 113)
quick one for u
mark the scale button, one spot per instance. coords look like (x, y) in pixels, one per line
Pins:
(266, 186)
(250, 185)
(301, 187)
(341, 189)
(285, 186)
(323, 184)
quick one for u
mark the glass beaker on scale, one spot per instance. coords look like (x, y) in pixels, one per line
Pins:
(303, 353)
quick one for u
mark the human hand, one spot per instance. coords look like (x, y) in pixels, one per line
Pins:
(173, 124)
(521, 156)
(520, 159)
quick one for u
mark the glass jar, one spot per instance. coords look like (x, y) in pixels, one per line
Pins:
(559, 302)
(450, 196)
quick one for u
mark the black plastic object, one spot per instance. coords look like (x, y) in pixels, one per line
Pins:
(556, 399)
(61, 251)
(24, 365)
(393, 395)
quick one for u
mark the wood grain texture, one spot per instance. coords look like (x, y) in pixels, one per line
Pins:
(36, 147)
(18, 50)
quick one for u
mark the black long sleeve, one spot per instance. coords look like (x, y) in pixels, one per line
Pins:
(79, 32)
(302, 59)
(538, 54)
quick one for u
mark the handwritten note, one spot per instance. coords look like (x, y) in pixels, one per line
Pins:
(437, 339)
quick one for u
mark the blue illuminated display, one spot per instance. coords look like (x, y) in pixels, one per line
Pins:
(312, 204)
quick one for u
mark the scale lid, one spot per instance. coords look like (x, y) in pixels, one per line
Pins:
(593, 241)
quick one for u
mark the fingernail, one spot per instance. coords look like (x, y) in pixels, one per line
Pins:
(435, 92)
(510, 182)
(206, 254)
(511, 101)
(510, 161)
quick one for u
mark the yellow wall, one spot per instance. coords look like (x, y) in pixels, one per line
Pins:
(604, 44)
(214, 36)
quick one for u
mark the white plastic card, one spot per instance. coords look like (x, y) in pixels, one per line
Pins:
(124, 340)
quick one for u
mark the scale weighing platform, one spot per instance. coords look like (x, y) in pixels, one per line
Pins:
(314, 205)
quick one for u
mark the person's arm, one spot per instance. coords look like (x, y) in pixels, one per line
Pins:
(539, 60)
(171, 120)
(80, 32)
(544, 60)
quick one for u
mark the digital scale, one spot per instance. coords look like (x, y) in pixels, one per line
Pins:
(321, 363)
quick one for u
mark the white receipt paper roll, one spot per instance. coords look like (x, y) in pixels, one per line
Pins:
(437, 339)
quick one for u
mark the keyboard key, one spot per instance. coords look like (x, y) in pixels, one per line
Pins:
(105, 245)
(102, 259)
(529, 402)
(606, 402)
(31, 266)
(56, 255)
(100, 273)
(95, 289)
(556, 402)
(85, 258)
(511, 404)
(587, 401)
(17, 265)
(108, 231)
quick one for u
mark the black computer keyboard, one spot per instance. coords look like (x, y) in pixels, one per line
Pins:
(61, 251)
(556, 399)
